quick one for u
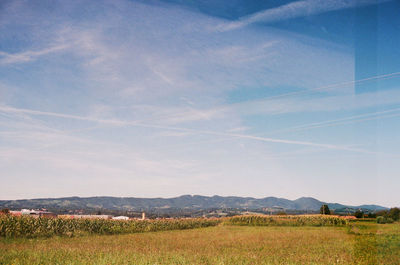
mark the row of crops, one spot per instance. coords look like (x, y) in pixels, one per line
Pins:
(17, 226)
(290, 220)
(13, 226)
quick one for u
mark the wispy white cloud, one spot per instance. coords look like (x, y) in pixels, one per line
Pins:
(155, 126)
(151, 67)
(141, 97)
(296, 9)
(239, 129)
(390, 113)
(317, 103)
(115, 164)
(60, 115)
(27, 56)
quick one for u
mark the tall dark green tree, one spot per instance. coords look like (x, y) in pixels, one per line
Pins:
(394, 213)
(359, 214)
(324, 209)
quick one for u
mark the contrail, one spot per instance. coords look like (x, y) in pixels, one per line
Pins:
(264, 139)
(360, 120)
(324, 88)
(294, 10)
(59, 115)
(346, 120)
(133, 123)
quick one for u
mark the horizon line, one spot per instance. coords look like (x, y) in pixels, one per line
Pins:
(193, 195)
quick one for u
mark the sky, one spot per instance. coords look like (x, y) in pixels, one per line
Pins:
(152, 98)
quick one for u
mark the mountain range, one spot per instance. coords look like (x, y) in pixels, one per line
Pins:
(181, 202)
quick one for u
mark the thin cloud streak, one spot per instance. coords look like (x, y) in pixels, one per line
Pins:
(360, 120)
(61, 115)
(188, 114)
(346, 120)
(243, 136)
(345, 102)
(329, 87)
(27, 56)
(295, 10)
(266, 139)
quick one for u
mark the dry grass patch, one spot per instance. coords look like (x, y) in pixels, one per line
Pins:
(372, 244)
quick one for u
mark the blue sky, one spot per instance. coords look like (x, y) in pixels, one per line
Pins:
(164, 98)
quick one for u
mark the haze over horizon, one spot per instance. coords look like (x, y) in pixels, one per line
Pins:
(163, 98)
(193, 195)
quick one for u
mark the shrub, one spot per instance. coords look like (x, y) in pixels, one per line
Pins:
(389, 220)
(380, 220)
(384, 220)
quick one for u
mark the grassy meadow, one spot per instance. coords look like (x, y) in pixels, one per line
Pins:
(355, 243)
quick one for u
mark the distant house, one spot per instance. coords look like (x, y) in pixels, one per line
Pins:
(28, 212)
(34, 213)
(120, 218)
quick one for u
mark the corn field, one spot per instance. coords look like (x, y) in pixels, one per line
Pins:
(13, 226)
(21, 226)
(288, 220)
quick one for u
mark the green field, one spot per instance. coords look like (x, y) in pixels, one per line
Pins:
(357, 243)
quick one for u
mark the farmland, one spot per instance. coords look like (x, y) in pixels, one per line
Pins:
(225, 243)
(13, 227)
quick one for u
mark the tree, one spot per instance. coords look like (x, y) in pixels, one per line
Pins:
(381, 213)
(324, 209)
(394, 213)
(359, 214)
(371, 215)
(5, 211)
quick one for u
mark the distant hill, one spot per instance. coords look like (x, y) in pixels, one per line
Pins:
(182, 202)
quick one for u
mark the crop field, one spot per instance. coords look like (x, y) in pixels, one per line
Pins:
(28, 227)
(287, 220)
(353, 243)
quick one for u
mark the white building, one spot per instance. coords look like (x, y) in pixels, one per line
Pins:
(120, 218)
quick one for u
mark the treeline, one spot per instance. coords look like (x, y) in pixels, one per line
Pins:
(388, 216)
(21, 226)
(384, 216)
